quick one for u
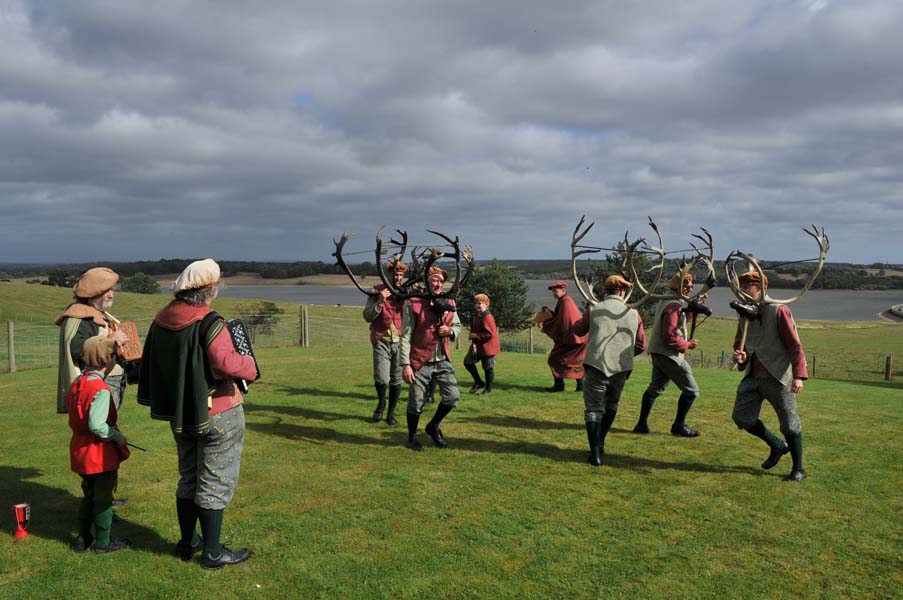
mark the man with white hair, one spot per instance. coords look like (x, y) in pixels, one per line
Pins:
(188, 373)
(84, 318)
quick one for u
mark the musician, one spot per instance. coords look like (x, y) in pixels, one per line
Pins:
(383, 312)
(566, 357)
(84, 318)
(188, 374)
(776, 367)
(668, 343)
(615, 336)
(427, 327)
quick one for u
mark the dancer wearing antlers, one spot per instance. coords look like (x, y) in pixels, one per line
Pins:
(383, 312)
(768, 347)
(615, 337)
(427, 327)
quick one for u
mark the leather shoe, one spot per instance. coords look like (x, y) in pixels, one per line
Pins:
(113, 547)
(476, 388)
(377, 416)
(775, 456)
(226, 557)
(391, 420)
(596, 462)
(81, 544)
(683, 431)
(185, 550)
(485, 393)
(796, 475)
(415, 445)
(436, 433)
(638, 428)
(120, 501)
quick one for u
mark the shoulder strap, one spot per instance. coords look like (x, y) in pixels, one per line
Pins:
(211, 325)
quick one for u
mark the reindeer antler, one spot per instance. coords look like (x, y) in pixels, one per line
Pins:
(340, 262)
(395, 257)
(587, 294)
(824, 245)
(659, 268)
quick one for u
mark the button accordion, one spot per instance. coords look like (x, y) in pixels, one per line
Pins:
(242, 343)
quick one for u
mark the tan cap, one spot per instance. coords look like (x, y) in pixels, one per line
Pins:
(614, 283)
(98, 351)
(198, 274)
(95, 282)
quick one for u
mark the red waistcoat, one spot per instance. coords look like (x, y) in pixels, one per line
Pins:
(425, 337)
(390, 313)
(88, 454)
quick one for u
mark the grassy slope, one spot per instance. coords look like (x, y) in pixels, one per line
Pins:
(335, 506)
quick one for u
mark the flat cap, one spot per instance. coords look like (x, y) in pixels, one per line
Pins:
(198, 274)
(95, 282)
(559, 284)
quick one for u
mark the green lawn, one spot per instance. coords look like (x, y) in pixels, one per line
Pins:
(335, 506)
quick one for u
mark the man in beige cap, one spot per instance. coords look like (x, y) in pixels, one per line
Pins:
(566, 357)
(85, 318)
(188, 373)
(615, 337)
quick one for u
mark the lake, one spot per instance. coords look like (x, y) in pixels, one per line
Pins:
(825, 305)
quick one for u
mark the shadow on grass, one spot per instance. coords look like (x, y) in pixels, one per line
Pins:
(887, 385)
(318, 393)
(54, 511)
(397, 437)
(311, 413)
(519, 422)
(539, 389)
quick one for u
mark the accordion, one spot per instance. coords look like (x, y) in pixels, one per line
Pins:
(130, 350)
(242, 343)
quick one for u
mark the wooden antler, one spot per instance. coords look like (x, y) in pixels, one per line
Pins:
(824, 245)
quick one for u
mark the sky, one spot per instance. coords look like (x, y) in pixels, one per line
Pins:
(263, 130)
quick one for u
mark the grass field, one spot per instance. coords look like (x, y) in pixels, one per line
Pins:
(336, 507)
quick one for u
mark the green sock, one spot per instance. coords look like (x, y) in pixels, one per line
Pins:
(211, 526)
(103, 520)
(763, 433)
(795, 441)
(186, 510)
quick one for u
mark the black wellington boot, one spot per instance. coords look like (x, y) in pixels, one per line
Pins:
(380, 402)
(679, 428)
(641, 425)
(432, 428)
(394, 395)
(413, 444)
(593, 435)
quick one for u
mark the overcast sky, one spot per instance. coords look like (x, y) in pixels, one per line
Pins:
(262, 130)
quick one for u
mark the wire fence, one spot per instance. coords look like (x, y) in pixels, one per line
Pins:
(35, 345)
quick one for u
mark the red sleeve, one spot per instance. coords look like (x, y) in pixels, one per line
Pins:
(640, 343)
(787, 331)
(487, 328)
(225, 362)
(670, 334)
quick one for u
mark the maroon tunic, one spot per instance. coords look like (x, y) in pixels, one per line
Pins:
(566, 357)
(389, 315)
(486, 335)
(425, 336)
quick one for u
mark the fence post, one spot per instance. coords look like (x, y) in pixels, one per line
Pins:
(888, 365)
(305, 316)
(10, 347)
(530, 347)
(301, 325)
(813, 366)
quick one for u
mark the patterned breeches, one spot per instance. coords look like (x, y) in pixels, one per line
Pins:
(209, 464)
(386, 365)
(750, 394)
(443, 373)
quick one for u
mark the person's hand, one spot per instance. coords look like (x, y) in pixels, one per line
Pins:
(383, 296)
(693, 343)
(118, 336)
(407, 373)
(472, 336)
(797, 386)
(740, 356)
(445, 331)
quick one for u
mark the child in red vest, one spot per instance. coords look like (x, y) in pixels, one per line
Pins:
(97, 447)
(484, 345)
